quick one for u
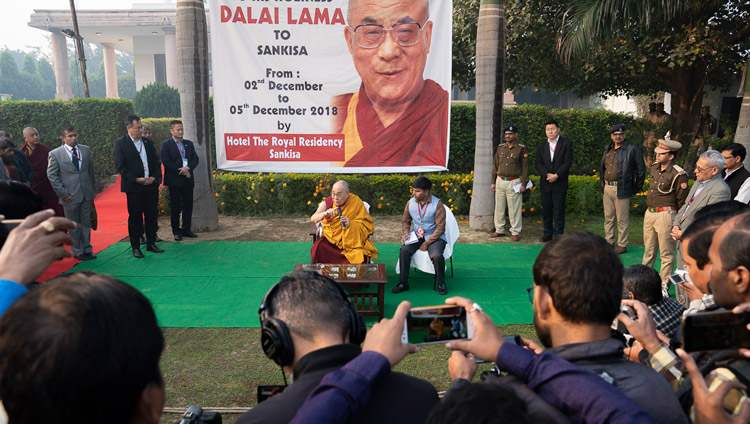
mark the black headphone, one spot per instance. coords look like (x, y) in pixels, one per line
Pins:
(275, 339)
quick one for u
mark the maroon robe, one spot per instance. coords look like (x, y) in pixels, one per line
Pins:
(39, 158)
(417, 138)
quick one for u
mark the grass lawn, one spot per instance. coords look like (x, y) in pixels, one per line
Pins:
(221, 367)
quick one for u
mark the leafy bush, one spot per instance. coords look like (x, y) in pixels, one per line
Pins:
(159, 130)
(98, 123)
(157, 100)
(284, 194)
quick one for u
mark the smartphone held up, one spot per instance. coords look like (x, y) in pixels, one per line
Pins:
(437, 324)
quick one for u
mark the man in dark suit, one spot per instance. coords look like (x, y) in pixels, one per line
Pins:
(179, 159)
(734, 173)
(554, 157)
(70, 170)
(140, 170)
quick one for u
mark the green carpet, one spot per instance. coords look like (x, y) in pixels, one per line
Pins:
(221, 283)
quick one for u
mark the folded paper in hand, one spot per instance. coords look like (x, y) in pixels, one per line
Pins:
(412, 238)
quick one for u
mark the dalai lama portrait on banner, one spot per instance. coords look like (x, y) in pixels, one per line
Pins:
(397, 118)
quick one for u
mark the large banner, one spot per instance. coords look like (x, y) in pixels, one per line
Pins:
(311, 86)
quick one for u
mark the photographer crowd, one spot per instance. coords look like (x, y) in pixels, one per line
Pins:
(85, 347)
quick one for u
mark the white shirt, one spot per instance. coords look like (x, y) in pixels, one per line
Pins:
(552, 147)
(141, 151)
(69, 151)
(743, 194)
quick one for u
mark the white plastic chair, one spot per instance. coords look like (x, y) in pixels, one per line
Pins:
(421, 259)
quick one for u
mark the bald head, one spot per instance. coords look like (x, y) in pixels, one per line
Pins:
(341, 184)
(340, 192)
(31, 136)
(424, 9)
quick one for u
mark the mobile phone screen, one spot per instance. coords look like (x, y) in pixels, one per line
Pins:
(715, 331)
(676, 279)
(437, 324)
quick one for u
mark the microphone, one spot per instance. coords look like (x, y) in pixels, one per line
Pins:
(338, 211)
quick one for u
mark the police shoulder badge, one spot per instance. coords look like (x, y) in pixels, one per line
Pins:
(683, 186)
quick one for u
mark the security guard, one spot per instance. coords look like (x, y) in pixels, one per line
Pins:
(510, 174)
(667, 191)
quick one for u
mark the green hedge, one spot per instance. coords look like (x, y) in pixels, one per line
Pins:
(270, 194)
(588, 129)
(98, 123)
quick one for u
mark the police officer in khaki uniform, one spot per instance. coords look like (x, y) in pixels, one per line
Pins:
(511, 168)
(667, 191)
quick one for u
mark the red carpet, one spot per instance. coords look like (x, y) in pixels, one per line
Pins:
(111, 208)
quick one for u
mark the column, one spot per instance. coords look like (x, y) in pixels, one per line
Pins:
(60, 58)
(110, 71)
(509, 98)
(170, 56)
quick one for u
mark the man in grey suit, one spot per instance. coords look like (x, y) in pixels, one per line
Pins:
(709, 188)
(71, 173)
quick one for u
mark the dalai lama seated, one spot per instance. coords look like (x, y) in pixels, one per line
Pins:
(347, 227)
(397, 118)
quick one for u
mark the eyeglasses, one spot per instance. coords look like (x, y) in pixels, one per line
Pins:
(371, 36)
(699, 169)
(530, 292)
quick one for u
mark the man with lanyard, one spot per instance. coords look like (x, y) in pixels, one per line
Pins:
(554, 157)
(71, 173)
(140, 171)
(179, 159)
(511, 164)
(667, 191)
(424, 215)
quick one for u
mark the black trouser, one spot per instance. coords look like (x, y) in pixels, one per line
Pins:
(435, 250)
(553, 205)
(181, 200)
(142, 206)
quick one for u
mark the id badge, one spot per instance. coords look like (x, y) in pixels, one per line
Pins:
(420, 232)
(184, 163)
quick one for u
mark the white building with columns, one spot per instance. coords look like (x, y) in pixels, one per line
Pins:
(147, 31)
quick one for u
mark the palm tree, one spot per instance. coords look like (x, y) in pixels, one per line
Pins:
(490, 59)
(192, 68)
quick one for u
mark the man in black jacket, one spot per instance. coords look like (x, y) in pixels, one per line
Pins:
(734, 171)
(179, 159)
(577, 293)
(622, 175)
(554, 157)
(140, 171)
(319, 331)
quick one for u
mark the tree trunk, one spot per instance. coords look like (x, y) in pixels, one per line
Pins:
(686, 87)
(742, 135)
(192, 68)
(490, 60)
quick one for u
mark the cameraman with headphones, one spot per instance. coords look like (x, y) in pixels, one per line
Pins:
(310, 327)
